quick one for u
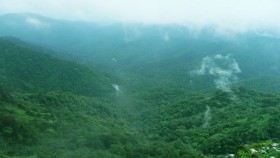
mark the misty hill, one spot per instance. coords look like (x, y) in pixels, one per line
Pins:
(166, 103)
(39, 120)
(155, 53)
(25, 69)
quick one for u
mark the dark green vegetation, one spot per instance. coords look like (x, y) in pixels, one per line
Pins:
(25, 69)
(54, 108)
(42, 122)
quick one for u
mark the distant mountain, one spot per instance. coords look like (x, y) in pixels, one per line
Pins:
(153, 53)
(25, 69)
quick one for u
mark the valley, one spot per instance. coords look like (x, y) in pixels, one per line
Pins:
(80, 90)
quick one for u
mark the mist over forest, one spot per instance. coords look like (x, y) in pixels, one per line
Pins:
(139, 79)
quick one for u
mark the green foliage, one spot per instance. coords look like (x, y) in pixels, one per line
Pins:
(16, 126)
(25, 69)
(236, 118)
(56, 108)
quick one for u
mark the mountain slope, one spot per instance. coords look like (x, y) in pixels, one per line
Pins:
(154, 53)
(167, 104)
(215, 123)
(26, 69)
(42, 118)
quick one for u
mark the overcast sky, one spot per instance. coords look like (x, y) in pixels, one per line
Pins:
(229, 13)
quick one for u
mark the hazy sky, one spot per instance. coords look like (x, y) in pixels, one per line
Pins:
(229, 13)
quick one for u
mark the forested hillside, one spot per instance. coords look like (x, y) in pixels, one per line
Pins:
(40, 121)
(25, 69)
(153, 53)
(82, 90)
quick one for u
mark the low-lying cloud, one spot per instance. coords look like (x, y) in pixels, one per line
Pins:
(207, 117)
(224, 69)
(230, 14)
(117, 89)
(36, 23)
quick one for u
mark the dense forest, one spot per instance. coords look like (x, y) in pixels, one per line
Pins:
(82, 90)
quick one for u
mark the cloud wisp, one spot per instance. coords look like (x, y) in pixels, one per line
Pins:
(224, 69)
(230, 14)
(117, 89)
(36, 23)
(207, 117)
